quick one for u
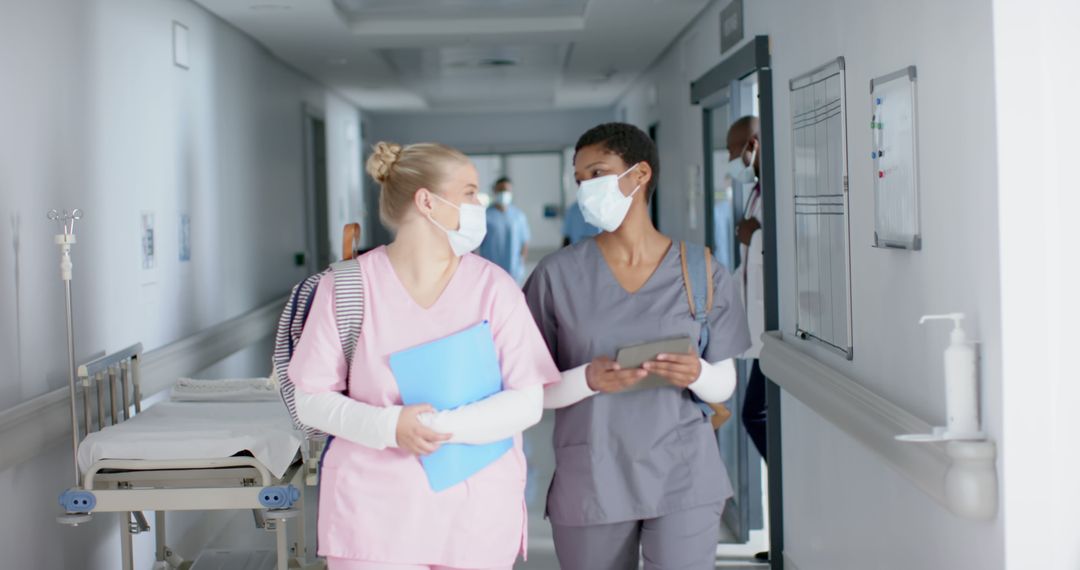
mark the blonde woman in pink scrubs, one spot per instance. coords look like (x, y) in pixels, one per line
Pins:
(376, 508)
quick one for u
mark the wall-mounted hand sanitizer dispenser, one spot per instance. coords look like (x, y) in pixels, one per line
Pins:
(961, 387)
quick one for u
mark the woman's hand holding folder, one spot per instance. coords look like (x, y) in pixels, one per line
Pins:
(413, 436)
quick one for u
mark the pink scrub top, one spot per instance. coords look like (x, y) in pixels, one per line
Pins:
(376, 505)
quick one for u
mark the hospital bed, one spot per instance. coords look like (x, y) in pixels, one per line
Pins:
(185, 456)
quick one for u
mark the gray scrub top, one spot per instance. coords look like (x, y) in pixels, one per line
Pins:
(641, 454)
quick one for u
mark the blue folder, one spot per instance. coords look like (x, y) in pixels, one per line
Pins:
(449, 373)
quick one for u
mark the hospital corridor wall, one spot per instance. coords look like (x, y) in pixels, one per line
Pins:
(844, 507)
(96, 115)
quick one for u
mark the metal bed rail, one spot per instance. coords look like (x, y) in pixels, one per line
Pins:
(115, 382)
(111, 392)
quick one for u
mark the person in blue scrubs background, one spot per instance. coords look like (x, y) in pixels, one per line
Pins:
(575, 228)
(507, 241)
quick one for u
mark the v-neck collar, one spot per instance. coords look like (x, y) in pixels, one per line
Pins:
(404, 291)
(671, 250)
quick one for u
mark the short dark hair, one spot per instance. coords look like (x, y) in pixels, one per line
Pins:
(500, 181)
(630, 143)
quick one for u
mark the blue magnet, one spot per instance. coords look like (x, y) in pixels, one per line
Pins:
(873, 155)
(879, 100)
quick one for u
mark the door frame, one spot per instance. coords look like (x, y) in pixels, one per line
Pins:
(310, 114)
(654, 200)
(754, 57)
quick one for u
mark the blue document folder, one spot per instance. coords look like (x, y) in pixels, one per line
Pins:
(449, 373)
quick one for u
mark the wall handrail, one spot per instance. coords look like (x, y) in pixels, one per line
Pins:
(960, 475)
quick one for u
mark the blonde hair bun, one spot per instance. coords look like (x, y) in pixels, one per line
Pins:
(381, 161)
(402, 170)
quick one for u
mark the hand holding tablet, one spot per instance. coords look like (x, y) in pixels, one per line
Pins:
(676, 372)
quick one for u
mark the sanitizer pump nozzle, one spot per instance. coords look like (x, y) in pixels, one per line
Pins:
(961, 384)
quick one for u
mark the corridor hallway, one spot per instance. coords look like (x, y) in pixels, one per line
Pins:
(854, 166)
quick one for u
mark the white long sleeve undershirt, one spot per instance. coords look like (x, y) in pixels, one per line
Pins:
(715, 384)
(341, 416)
(492, 419)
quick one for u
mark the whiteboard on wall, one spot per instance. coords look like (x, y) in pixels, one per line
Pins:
(896, 174)
(822, 242)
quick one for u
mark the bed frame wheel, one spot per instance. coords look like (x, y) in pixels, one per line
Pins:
(74, 519)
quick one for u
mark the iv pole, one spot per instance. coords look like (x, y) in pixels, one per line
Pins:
(65, 240)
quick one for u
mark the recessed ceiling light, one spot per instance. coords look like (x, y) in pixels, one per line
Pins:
(270, 7)
(337, 61)
(497, 62)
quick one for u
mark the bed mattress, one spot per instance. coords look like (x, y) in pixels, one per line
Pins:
(199, 430)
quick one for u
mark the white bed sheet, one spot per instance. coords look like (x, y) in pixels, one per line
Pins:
(199, 430)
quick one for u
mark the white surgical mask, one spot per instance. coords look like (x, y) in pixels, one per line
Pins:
(740, 172)
(472, 227)
(602, 203)
(504, 198)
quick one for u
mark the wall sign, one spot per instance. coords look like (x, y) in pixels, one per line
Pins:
(731, 25)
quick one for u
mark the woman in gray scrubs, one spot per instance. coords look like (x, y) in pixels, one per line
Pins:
(636, 470)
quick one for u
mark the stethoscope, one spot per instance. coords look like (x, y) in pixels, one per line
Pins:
(748, 212)
(751, 202)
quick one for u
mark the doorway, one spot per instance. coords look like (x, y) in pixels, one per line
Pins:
(742, 85)
(318, 208)
(654, 204)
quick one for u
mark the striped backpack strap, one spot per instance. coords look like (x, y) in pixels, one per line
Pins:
(348, 312)
(290, 326)
(348, 305)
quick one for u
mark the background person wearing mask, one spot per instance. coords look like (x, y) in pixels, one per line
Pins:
(575, 228)
(744, 167)
(507, 240)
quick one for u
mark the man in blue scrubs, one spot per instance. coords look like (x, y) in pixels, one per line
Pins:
(507, 241)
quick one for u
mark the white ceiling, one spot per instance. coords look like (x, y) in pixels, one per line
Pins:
(466, 55)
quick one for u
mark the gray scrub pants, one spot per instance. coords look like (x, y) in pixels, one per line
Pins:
(685, 540)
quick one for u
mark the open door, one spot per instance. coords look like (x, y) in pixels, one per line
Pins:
(654, 203)
(742, 85)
